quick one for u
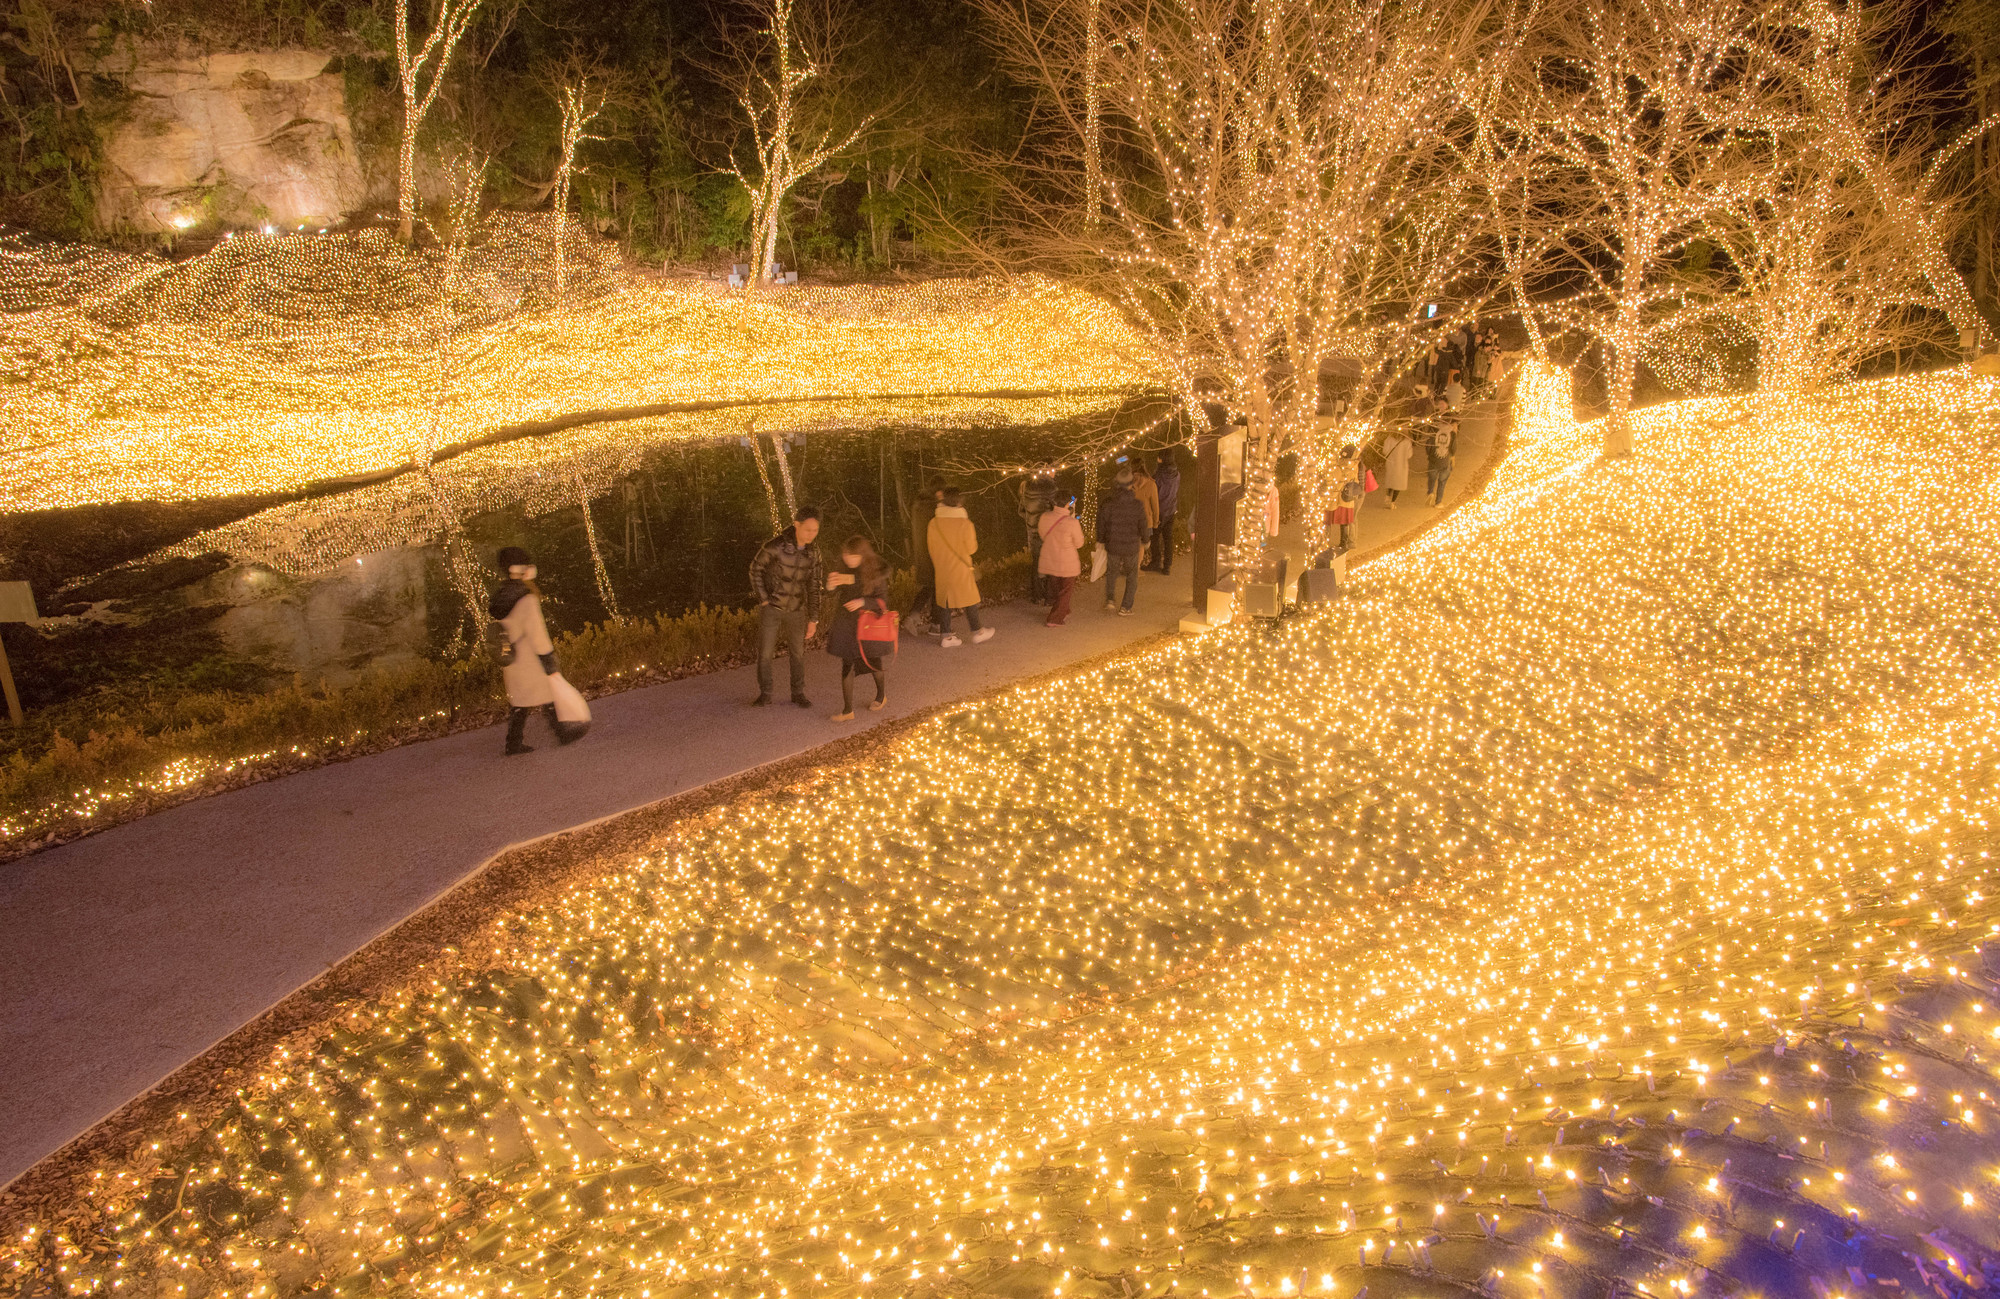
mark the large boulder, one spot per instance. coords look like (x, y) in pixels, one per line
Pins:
(257, 138)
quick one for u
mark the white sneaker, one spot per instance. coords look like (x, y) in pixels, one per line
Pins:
(983, 635)
(950, 641)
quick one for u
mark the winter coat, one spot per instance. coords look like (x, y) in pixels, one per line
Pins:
(1168, 480)
(1342, 512)
(842, 639)
(1444, 440)
(953, 543)
(1062, 538)
(519, 611)
(1396, 464)
(1121, 523)
(1148, 493)
(786, 575)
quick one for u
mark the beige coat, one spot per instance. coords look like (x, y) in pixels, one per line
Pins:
(1396, 464)
(1148, 493)
(953, 543)
(527, 684)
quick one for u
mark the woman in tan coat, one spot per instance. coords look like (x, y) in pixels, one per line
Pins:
(517, 607)
(953, 543)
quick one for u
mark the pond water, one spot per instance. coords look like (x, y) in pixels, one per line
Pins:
(626, 519)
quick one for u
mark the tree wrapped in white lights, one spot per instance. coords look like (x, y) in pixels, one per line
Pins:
(421, 72)
(1260, 186)
(1842, 258)
(580, 102)
(1660, 111)
(796, 119)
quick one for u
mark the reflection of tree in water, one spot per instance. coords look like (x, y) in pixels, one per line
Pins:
(679, 530)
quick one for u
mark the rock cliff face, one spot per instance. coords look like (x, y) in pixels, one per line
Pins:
(242, 139)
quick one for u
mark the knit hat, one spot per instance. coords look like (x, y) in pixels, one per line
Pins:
(1124, 478)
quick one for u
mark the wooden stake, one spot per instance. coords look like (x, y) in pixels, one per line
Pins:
(7, 683)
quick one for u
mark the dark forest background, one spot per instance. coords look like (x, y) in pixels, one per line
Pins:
(898, 199)
(652, 182)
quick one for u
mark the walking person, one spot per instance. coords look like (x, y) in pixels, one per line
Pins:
(1167, 479)
(787, 576)
(1061, 562)
(1121, 527)
(1395, 464)
(529, 656)
(953, 543)
(868, 579)
(1443, 447)
(1038, 493)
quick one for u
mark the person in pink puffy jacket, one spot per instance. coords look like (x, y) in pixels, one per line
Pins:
(1060, 563)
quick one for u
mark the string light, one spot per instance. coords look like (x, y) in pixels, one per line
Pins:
(1594, 898)
(275, 362)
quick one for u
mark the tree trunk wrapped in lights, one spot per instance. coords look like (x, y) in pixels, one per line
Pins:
(1260, 186)
(421, 73)
(1655, 109)
(793, 109)
(580, 106)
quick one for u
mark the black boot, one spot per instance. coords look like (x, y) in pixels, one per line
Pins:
(517, 725)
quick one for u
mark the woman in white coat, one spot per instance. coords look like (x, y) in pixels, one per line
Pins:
(517, 607)
(1395, 465)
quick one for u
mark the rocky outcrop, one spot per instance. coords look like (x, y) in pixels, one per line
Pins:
(250, 139)
(334, 626)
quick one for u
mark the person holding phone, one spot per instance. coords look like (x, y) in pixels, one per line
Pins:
(865, 580)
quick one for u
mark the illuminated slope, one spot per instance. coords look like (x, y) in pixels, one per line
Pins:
(1587, 906)
(271, 363)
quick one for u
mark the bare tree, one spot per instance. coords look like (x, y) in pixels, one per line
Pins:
(795, 115)
(1857, 128)
(1656, 107)
(1259, 186)
(581, 101)
(422, 73)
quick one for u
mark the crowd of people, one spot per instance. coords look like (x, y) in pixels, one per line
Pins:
(1134, 534)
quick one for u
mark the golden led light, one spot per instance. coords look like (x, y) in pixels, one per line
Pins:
(1196, 966)
(277, 361)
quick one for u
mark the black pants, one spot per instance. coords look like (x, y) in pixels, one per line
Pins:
(971, 618)
(1160, 550)
(852, 668)
(517, 724)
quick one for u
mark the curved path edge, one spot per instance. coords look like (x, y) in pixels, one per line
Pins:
(454, 932)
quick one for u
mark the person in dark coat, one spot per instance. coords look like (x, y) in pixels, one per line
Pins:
(1121, 527)
(1168, 478)
(866, 581)
(787, 576)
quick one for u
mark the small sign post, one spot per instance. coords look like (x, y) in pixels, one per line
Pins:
(17, 604)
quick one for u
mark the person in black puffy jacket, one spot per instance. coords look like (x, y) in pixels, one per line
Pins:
(787, 575)
(1121, 527)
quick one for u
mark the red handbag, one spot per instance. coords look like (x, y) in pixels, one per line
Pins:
(878, 635)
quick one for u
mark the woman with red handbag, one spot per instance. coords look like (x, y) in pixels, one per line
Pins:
(863, 635)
